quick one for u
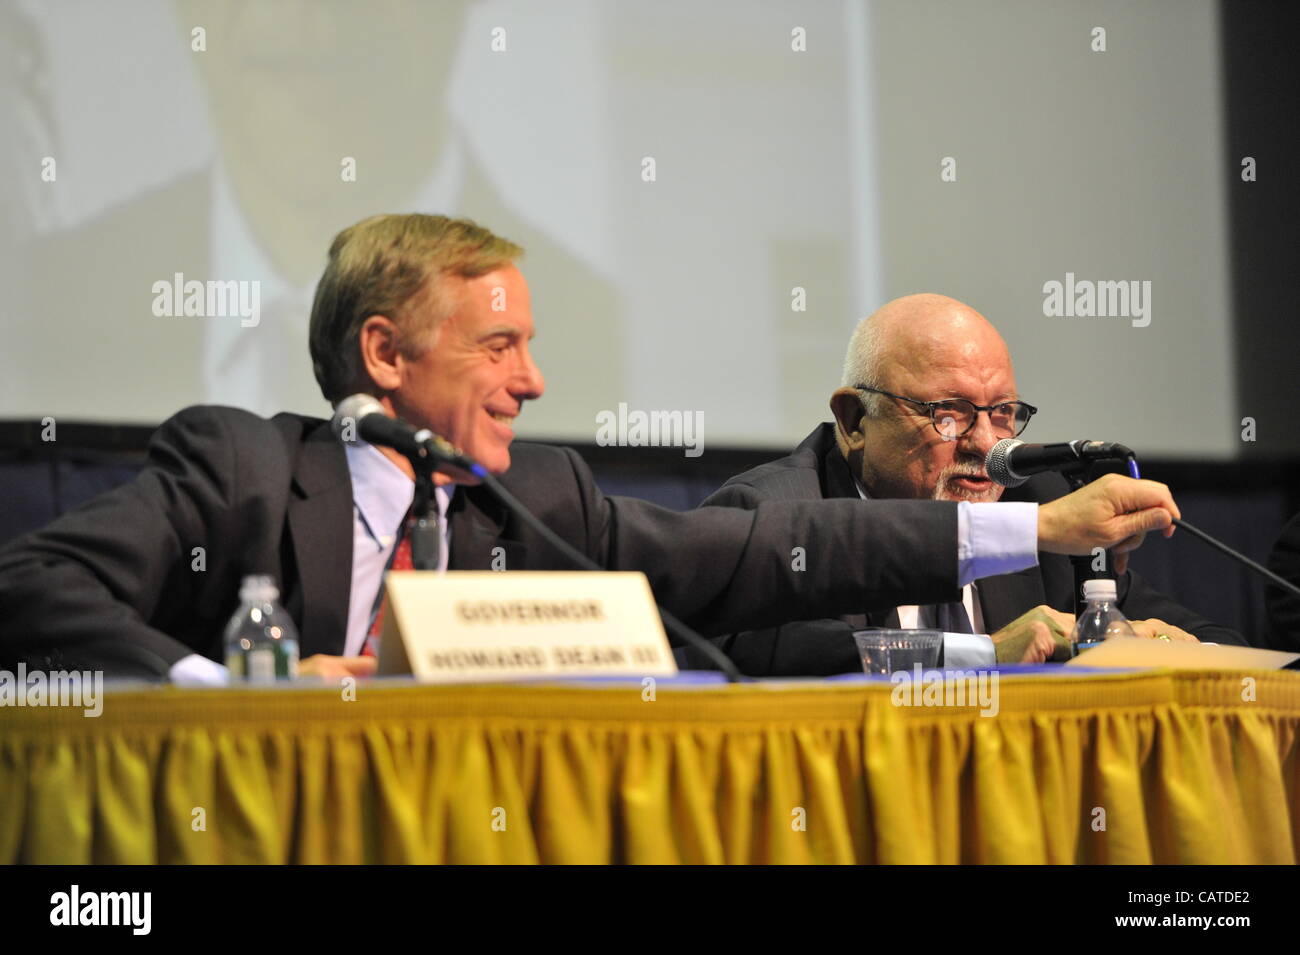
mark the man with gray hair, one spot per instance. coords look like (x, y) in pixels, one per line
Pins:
(927, 389)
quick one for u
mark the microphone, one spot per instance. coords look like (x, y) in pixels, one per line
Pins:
(1011, 463)
(373, 425)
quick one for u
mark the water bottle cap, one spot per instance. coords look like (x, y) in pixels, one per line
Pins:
(258, 588)
(1099, 589)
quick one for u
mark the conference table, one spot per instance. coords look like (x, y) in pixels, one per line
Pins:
(1150, 766)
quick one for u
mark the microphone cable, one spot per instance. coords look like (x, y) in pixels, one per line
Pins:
(671, 623)
(1220, 545)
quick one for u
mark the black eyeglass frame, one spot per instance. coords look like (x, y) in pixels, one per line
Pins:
(931, 406)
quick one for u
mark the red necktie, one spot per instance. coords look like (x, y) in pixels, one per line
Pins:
(401, 561)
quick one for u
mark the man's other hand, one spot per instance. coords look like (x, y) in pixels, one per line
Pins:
(1034, 637)
(1154, 629)
(1114, 511)
(331, 669)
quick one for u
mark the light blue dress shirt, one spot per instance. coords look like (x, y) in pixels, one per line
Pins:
(381, 496)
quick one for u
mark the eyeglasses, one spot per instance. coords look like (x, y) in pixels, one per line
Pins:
(953, 417)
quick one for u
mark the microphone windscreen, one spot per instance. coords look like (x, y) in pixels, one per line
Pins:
(998, 463)
(350, 411)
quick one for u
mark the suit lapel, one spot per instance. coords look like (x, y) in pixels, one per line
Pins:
(320, 525)
(837, 481)
(477, 525)
(837, 477)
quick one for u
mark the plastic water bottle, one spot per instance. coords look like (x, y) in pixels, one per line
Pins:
(1100, 619)
(261, 640)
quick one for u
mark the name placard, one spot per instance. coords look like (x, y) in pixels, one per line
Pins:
(490, 625)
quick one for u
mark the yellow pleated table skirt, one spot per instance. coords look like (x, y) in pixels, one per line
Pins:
(1157, 766)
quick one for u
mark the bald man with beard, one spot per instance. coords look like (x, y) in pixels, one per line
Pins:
(927, 389)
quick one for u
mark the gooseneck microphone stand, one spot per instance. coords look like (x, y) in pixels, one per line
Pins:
(1075, 477)
(1221, 546)
(426, 535)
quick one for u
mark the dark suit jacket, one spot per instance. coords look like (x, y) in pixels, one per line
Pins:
(1284, 608)
(815, 471)
(139, 577)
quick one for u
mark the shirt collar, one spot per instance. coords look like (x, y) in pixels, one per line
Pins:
(382, 492)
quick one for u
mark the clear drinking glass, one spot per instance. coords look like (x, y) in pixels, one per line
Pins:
(888, 651)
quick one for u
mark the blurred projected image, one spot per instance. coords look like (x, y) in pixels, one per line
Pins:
(710, 197)
(318, 114)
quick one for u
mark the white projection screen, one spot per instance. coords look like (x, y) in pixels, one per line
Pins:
(855, 151)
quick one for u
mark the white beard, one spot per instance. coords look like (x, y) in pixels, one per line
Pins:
(943, 491)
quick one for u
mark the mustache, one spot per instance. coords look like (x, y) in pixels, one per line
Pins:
(967, 468)
(945, 490)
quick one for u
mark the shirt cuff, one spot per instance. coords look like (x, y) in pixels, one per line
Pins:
(995, 539)
(968, 650)
(195, 670)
